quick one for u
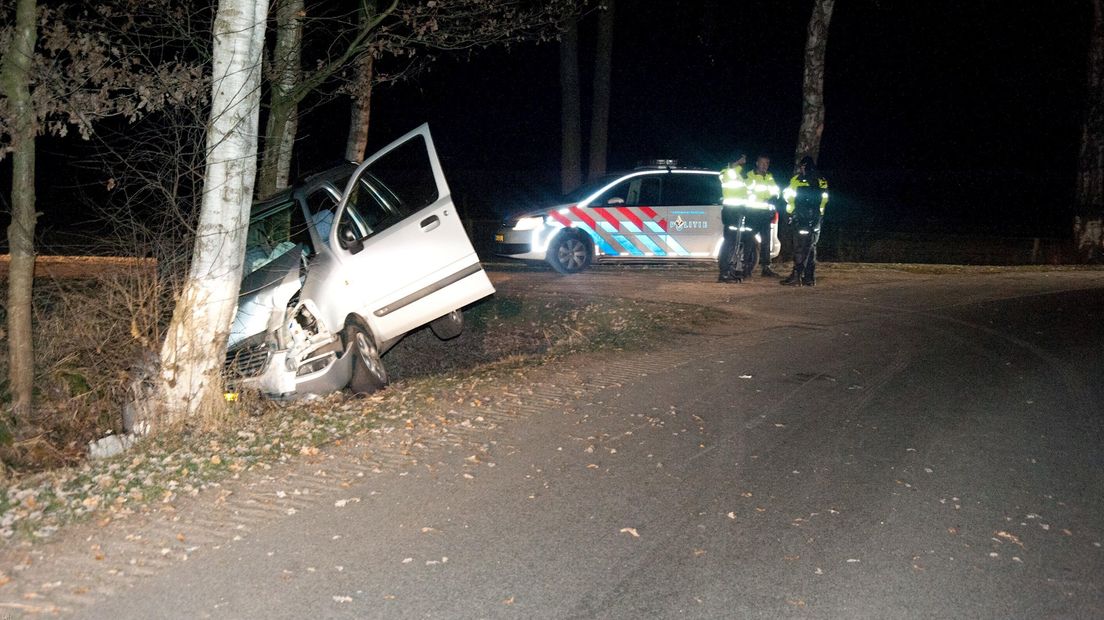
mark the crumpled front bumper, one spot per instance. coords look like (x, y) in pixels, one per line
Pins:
(274, 378)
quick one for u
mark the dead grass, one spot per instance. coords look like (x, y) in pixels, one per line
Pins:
(505, 337)
(500, 327)
(88, 334)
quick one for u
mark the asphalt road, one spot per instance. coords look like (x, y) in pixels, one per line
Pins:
(885, 445)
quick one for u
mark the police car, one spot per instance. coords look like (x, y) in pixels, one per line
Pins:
(658, 212)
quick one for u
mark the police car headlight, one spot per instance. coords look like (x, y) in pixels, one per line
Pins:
(529, 223)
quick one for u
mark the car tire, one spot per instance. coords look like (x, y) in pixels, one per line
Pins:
(449, 326)
(369, 373)
(569, 252)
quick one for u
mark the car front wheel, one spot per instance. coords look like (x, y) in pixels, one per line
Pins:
(569, 253)
(369, 374)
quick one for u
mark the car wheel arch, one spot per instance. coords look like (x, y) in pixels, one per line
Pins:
(370, 374)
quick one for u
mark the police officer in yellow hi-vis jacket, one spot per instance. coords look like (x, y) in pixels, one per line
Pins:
(762, 192)
(806, 198)
(735, 194)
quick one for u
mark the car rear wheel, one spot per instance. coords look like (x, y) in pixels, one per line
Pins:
(569, 253)
(448, 326)
(369, 374)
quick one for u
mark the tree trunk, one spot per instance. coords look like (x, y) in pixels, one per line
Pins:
(16, 81)
(812, 100)
(1088, 224)
(571, 165)
(599, 120)
(195, 345)
(283, 115)
(361, 111)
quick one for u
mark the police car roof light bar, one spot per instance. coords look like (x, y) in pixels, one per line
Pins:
(658, 163)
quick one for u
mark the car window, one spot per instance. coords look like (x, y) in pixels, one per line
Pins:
(366, 213)
(404, 177)
(321, 204)
(395, 186)
(637, 191)
(619, 193)
(691, 189)
(584, 191)
(646, 191)
(275, 232)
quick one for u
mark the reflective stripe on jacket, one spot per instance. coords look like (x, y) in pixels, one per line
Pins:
(733, 186)
(761, 188)
(790, 193)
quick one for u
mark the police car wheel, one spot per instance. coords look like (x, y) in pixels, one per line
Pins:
(369, 374)
(569, 253)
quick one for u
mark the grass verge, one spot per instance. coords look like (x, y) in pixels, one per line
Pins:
(505, 337)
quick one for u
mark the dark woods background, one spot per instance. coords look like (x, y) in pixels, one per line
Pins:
(941, 116)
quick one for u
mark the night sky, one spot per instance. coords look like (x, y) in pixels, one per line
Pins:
(950, 115)
(942, 116)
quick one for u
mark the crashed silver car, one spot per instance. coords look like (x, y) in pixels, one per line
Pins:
(340, 267)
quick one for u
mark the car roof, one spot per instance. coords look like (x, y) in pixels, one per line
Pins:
(659, 168)
(343, 169)
(333, 173)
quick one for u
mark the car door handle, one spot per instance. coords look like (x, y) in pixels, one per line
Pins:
(430, 223)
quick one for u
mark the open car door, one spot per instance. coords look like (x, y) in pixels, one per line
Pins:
(405, 255)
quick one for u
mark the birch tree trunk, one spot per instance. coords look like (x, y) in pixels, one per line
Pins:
(283, 110)
(15, 82)
(599, 119)
(812, 99)
(1088, 224)
(571, 165)
(195, 344)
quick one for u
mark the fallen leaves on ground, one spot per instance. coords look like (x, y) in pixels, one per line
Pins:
(1012, 538)
(159, 470)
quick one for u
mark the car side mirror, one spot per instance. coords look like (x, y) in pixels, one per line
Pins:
(350, 241)
(615, 201)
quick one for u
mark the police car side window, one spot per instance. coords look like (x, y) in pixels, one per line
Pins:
(650, 191)
(620, 193)
(691, 189)
(638, 191)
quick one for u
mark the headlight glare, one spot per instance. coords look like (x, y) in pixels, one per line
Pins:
(529, 223)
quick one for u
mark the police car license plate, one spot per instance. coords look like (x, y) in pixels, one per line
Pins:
(500, 237)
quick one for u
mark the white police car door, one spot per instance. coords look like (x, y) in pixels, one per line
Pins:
(693, 213)
(405, 256)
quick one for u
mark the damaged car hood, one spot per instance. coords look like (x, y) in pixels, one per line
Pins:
(264, 296)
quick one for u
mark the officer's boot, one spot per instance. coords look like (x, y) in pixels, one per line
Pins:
(794, 278)
(768, 272)
(810, 276)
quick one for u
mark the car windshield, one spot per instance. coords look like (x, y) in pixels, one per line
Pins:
(588, 188)
(273, 234)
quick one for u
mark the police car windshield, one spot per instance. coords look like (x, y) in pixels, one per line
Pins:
(588, 188)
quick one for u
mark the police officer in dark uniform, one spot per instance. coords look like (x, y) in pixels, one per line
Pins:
(806, 198)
